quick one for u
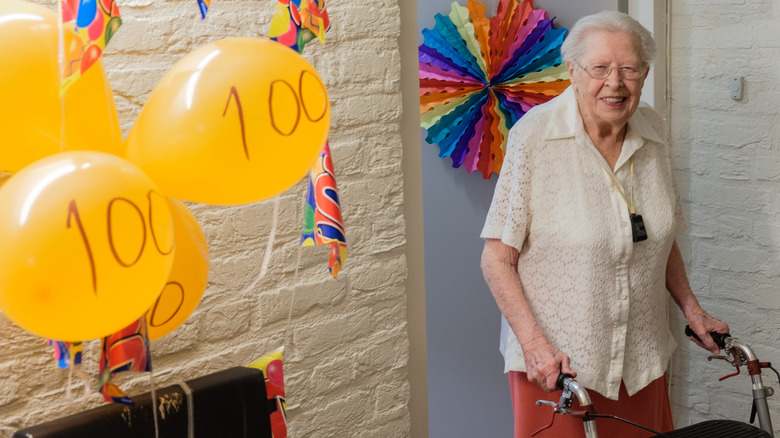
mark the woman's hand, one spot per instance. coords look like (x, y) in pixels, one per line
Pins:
(544, 363)
(700, 321)
(703, 324)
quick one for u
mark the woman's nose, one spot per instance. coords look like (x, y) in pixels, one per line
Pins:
(614, 79)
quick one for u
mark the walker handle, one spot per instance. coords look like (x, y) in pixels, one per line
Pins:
(562, 379)
(719, 338)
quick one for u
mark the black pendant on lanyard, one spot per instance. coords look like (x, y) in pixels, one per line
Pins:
(638, 231)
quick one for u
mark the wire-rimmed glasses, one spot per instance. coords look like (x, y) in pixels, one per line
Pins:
(599, 71)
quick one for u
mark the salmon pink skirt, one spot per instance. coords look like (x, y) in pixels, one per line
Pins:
(649, 407)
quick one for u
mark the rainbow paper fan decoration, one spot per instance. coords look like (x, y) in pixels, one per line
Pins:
(479, 75)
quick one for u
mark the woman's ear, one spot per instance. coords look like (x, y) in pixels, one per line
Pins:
(570, 67)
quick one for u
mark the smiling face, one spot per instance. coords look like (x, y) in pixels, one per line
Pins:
(607, 104)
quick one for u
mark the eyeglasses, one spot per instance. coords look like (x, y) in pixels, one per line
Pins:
(597, 71)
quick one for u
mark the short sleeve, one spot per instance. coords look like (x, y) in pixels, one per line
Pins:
(508, 217)
(680, 220)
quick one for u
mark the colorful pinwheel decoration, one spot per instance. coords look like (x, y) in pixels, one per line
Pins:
(96, 21)
(297, 22)
(479, 75)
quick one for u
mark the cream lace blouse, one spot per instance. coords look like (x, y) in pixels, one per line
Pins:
(599, 297)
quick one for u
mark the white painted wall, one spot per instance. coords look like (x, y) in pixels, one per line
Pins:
(652, 15)
(727, 157)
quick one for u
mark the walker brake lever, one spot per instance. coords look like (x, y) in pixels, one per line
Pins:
(549, 403)
(719, 357)
(564, 403)
(736, 362)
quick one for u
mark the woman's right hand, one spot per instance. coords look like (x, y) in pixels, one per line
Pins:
(544, 363)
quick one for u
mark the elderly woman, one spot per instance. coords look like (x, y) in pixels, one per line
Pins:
(580, 244)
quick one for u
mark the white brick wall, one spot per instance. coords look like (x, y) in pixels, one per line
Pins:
(727, 155)
(346, 347)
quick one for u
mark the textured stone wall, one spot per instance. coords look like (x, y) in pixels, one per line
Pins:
(346, 343)
(727, 155)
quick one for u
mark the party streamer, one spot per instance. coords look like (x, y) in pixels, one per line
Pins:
(96, 22)
(273, 371)
(125, 350)
(297, 22)
(203, 5)
(67, 354)
(323, 223)
(479, 76)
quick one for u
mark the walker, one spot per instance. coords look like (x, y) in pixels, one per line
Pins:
(741, 354)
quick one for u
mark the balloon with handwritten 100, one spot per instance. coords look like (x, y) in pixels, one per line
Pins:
(88, 243)
(236, 121)
(188, 278)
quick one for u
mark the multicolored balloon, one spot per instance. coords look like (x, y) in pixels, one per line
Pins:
(479, 75)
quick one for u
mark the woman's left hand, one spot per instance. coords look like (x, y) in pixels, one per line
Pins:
(703, 324)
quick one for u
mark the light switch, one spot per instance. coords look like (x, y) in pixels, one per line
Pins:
(735, 87)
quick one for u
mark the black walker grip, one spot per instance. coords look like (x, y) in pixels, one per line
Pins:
(719, 338)
(561, 378)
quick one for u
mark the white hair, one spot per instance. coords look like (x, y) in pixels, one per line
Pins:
(575, 45)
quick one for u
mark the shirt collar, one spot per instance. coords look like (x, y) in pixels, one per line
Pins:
(565, 121)
(565, 116)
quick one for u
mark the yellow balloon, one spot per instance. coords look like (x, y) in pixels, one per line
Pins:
(31, 114)
(188, 278)
(87, 245)
(236, 121)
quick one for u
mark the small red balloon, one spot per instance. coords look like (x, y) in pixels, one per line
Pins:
(275, 373)
(90, 56)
